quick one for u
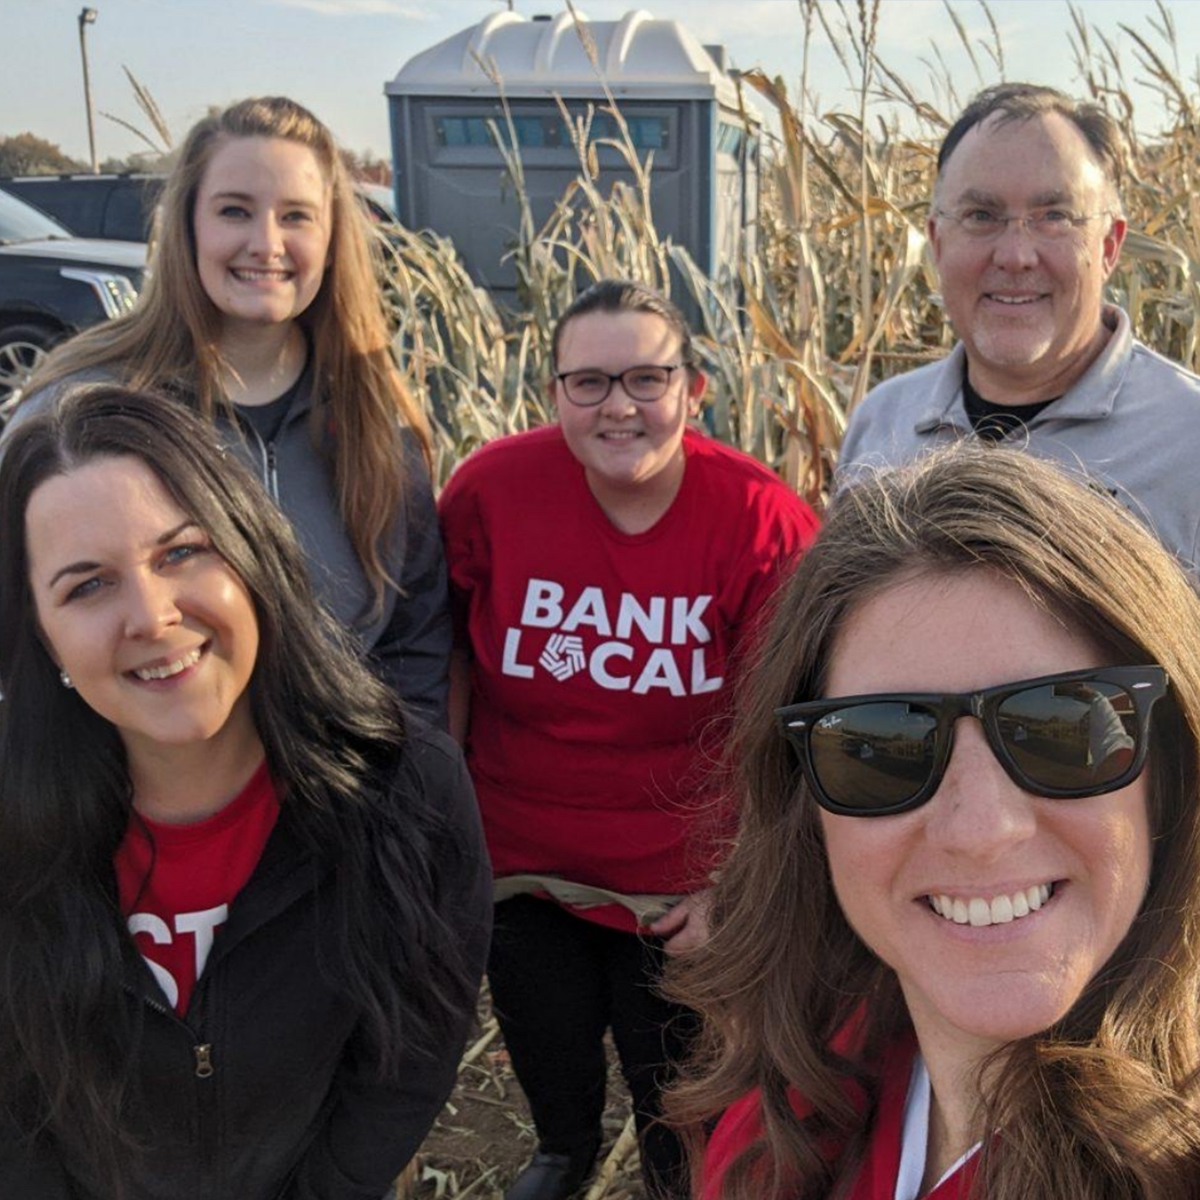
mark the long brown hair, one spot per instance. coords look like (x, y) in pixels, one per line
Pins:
(1104, 1105)
(171, 338)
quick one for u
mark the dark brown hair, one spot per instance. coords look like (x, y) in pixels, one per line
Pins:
(1023, 101)
(628, 295)
(333, 735)
(1101, 1106)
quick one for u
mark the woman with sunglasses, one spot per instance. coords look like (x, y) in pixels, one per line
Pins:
(607, 573)
(244, 901)
(955, 949)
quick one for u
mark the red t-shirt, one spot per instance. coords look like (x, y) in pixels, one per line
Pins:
(176, 882)
(741, 1125)
(601, 658)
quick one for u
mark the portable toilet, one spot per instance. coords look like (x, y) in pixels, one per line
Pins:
(674, 94)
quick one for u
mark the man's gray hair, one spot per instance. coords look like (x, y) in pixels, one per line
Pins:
(1021, 101)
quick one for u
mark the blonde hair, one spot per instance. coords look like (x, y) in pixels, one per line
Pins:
(170, 340)
(1104, 1104)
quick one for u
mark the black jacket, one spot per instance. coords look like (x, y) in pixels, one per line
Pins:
(266, 1090)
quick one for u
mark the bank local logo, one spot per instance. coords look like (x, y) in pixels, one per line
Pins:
(549, 636)
(563, 656)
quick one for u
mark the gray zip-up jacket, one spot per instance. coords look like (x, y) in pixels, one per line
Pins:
(408, 640)
(1131, 424)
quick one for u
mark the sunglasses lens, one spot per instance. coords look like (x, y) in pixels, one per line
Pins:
(1072, 737)
(873, 756)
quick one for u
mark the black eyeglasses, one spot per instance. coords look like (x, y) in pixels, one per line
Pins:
(1082, 733)
(590, 387)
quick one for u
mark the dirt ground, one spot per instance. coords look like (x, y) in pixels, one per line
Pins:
(485, 1136)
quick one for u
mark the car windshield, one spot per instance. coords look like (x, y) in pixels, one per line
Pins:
(19, 222)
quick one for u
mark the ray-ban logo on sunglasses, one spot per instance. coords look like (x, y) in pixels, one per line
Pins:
(1065, 736)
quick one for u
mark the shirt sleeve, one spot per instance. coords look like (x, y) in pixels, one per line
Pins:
(373, 1129)
(413, 651)
(463, 529)
(782, 528)
(786, 527)
(864, 447)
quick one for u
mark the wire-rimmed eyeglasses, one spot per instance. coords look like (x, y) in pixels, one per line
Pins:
(589, 387)
(1043, 224)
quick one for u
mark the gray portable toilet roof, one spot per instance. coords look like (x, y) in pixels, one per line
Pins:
(640, 58)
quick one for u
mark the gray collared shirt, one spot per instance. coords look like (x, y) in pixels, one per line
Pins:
(1130, 424)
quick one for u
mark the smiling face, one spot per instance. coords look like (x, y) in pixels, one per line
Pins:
(624, 445)
(981, 839)
(156, 632)
(262, 222)
(1028, 311)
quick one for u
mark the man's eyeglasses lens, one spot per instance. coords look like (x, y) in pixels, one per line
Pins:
(1067, 738)
(1048, 225)
(645, 384)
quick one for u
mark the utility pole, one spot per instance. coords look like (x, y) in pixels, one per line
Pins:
(87, 16)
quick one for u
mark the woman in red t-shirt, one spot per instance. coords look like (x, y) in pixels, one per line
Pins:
(244, 902)
(955, 945)
(606, 574)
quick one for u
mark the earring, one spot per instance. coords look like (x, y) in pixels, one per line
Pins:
(66, 680)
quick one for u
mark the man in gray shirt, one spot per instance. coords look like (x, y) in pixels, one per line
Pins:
(1025, 228)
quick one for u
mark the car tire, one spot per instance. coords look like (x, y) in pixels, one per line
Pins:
(22, 349)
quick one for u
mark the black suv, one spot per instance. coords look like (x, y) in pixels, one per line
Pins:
(96, 206)
(52, 285)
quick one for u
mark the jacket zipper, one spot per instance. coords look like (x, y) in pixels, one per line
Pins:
(207, 1096)
(202, 1050)
(204, 1062)
(204, 1070)
(272, 475)
(266, 450)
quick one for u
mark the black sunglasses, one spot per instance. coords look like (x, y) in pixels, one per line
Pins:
(1064, 736)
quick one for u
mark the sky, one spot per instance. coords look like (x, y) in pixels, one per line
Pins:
(334, 56)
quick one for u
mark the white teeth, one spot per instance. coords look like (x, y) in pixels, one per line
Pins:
(979, 911)
(1015, 299)
(180, 664)
(247, 273)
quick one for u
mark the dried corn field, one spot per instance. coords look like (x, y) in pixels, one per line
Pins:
(839, 293)
(840, 289)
